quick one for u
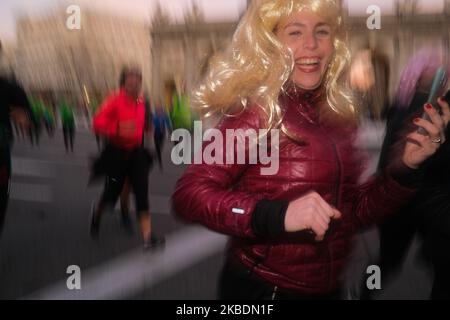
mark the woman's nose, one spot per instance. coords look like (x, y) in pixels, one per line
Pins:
(310, 42)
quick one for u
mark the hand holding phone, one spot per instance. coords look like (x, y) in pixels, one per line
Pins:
(439, 81)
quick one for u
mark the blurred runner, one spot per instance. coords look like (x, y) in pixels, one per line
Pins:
(161, 123)
(37, 110)
(49, 121)
(125, 194)
(14, 106)
(181, 112)
(68, 125)
(121, 120)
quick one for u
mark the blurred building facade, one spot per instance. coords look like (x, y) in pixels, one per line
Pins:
(402, 34)
(181, 51)
(174, 56)
(7, 58)
(53, 58)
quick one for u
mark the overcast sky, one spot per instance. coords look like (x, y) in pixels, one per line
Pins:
(224, 10)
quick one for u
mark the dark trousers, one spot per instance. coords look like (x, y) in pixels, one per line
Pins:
(34, 134)
(50, 128)
(159, 144)
(131, 164)
(99, 141)
(69, 135)
(5, 176)
(239, 283)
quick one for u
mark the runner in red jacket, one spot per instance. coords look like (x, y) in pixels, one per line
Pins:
(121, 120)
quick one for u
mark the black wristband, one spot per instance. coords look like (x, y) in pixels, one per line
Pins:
(406, 176)
(268, 218)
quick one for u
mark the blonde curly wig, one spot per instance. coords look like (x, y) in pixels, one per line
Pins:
(256, 66)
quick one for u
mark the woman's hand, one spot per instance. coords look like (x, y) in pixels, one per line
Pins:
(420, 147)
(310, 212)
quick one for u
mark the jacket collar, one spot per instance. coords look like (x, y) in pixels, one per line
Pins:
(306, 103)
(299, 95)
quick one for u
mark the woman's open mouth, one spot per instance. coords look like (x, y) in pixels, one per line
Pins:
(308, 65)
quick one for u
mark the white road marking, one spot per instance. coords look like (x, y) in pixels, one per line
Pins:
(133, 272)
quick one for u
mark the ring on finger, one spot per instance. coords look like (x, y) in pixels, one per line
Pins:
(437, 141)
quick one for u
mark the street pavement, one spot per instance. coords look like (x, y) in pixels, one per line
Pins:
(47, 228)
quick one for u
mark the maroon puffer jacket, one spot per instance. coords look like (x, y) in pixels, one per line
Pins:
(327, 163)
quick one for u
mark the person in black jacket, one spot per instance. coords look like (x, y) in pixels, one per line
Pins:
(398, 232)
(13, 105)
(435, 219)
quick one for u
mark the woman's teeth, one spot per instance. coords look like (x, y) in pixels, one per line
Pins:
(308, 62)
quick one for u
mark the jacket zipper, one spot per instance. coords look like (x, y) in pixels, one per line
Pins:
(339, 169)
(336, 203)
(336, 196)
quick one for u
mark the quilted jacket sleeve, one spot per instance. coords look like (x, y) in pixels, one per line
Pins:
(206, 193)
(385, 193)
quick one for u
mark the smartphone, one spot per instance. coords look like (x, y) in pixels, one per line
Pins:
(440, 78)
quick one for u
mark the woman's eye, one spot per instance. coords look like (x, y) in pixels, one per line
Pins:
(323, 32)
(295, 33)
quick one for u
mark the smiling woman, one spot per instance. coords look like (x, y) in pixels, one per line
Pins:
(309, 38)
(291, 232)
